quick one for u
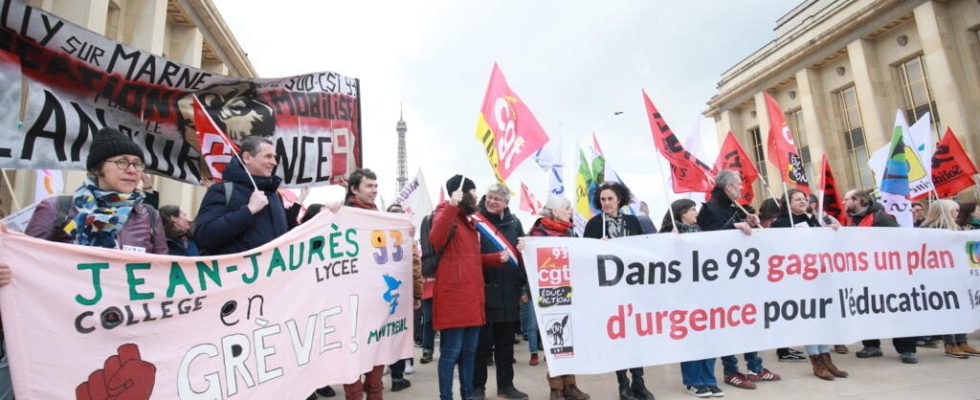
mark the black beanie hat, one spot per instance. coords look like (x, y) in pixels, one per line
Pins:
(108, 142)
(453, 184)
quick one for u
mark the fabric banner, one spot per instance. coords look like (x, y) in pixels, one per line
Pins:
(320, 305)
(687, 173)
(528, 202)
(830, 199)
(782, 150)
(506, 128)
(894, 187)
(733, 157)
(414, 199)
(952, 169)
(591, 174)
(919, 148)
(78, 81)
(606, 305)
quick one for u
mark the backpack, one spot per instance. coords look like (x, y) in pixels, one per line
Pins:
(430, 257)
(63, 205)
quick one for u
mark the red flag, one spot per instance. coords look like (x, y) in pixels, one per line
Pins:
(733, 157)
(595, 144)
(831, 198)
(506, 128)
(217, 149)
(528, 202)
(952, 170)
(781, 149)
(688, 173)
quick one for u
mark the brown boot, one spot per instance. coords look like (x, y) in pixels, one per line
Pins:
(829, 364)
(819, 369)
(573, 393)
(955, 351)
(840, 349)
(969, 350)
(556, 394)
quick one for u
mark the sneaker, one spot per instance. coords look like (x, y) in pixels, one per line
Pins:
(534, 359)
(699, 391)
(868, 352)
(765, 375)
(511, 393)
(791, 355)
(969, 350)
(953, 351)
(739, 380)
(426, 357)
(409, 367)
(716, 391)
(398, 385)
(326, 391)
(908, 358)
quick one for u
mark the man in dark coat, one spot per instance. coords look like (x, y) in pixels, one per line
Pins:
(248, 218)
(505, 289)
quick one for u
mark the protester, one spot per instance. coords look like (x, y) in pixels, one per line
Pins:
(458, 296)
(646, 224)
(311, 212)
(862, 210)
(969, 216)
(246, 218)
(506, 288)
(698, 376)
(179, 232)
(428, 286)
(942, 215)
(611, 223)
(795, 216)
(105, 211)
(917, 214)
(556, 221)
(151, 197)
(723, 213)
(404, 366)
(768, 212)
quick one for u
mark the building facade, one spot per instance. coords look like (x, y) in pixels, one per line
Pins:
(841, 68)
(191, 32)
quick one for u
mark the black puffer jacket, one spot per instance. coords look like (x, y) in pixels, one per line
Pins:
(719, 213)
(503, 285)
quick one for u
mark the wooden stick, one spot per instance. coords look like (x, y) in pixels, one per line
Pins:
(10, 187)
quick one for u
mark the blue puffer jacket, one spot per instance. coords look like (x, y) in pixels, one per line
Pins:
(231, 228)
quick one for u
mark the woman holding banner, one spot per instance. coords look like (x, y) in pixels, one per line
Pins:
(796, 216)
(556, 221)
(942, 214)
(609, 224)
(969, 216)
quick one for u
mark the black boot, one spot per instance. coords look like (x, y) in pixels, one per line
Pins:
(625, 393)
(640, 391)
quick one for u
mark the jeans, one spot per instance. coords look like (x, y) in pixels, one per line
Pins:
(816, 349)
(954, 339)
(457, 344)
(428, 334)
(699, 373)
(6, 385)
(902, 345)
(529, 322)
(398, 369)
(753, 363)
(501, 336)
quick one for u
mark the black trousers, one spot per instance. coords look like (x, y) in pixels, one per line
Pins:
(501, 334)
(902, 345)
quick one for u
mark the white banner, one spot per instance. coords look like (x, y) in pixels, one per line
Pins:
(320, 305)
(650, 300)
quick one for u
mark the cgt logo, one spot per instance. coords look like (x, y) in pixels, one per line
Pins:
(973, 254)
(554, 277)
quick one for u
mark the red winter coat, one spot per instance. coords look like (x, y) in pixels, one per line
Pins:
(458, 299)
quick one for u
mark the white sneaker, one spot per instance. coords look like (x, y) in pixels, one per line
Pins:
(409, 369)
(387, 371)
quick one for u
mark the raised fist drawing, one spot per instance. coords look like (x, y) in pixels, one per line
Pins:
(123, 377)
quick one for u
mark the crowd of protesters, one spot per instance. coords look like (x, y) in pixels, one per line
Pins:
(469, 282)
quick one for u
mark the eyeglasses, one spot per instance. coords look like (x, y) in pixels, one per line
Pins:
(124, 164)
(496, 199)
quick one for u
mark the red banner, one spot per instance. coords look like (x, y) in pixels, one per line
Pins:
(217, 149)
(952, 169)
(781, 149)
(506, 128)
(688, 173)
(529, 203)
(732, 157)
(832, 199)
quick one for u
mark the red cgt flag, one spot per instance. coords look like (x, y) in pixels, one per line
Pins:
(831, 199)
(506, 128)
(688, 173)
(733, 157)
(781, 149)
(528, 202)
(217, 149)
(952, 170)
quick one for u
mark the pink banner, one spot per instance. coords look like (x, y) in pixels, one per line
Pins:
(319, 305)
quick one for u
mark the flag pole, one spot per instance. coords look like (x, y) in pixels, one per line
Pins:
(13, 196)
(663, 178)
(766, 185)
(792, 224)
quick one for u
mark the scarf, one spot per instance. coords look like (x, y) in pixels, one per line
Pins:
(101, 214)
(355, 202)
(615, 226)
(555, 225)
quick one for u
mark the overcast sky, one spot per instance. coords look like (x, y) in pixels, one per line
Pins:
(574, 66)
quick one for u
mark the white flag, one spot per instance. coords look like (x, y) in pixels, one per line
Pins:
(414, 199)
(49, 183)
(919, 147)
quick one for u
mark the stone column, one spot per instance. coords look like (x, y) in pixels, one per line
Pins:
(871, 83)
(944, 70)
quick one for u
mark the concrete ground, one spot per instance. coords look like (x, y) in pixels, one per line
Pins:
(934, 377)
